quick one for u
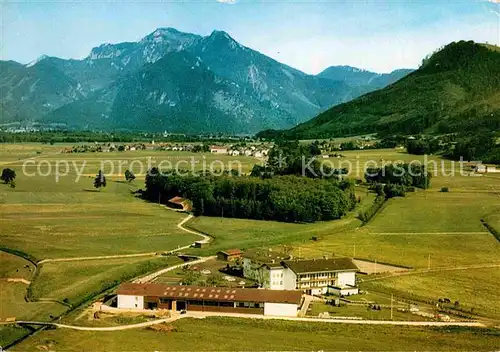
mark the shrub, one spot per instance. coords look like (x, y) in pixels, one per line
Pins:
(445, 190)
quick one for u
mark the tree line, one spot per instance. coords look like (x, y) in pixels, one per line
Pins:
(281, 198)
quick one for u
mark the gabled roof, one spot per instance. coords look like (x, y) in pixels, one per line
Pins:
(264, 256)
(210, 293)
(320, 265)
(232, 252)
(177, 200)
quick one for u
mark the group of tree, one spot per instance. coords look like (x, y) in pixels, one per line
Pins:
(280, 198)
(293, 158)
(394, 180)
(8, 177)
(480, 146)
(424, 146)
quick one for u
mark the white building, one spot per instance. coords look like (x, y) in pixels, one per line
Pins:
(218, 150)
(133, 296)
(320, 276)
(274, 271)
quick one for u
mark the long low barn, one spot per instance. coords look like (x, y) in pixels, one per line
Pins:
(214, 299)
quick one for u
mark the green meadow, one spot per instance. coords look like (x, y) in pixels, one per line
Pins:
(45, 219)
(476, 290)
(230, 334)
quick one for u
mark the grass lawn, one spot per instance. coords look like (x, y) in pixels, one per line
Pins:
(227, 334)
(475, 288)
(66, 219)
(435, 212)
(114, 164)
(12, 304)
(244, 234)
(406, 231)
(361, 312)
(198, 278)
(11, 333)
(408, 250)
(76, 281)
(494, 221)
(15, 267)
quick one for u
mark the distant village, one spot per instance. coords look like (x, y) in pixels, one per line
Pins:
(258, 150)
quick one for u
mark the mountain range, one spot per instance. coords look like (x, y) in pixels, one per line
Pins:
(457, 89)
(179, 82)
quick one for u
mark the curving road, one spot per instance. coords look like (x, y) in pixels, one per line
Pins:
(202, 315)
(180, 225)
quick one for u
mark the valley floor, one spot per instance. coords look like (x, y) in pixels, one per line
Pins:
(438, 239)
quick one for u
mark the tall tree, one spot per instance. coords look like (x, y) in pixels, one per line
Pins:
(8, 175)
(129, 175)
(100, 180)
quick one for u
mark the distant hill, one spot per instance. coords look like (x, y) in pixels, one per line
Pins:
(456, 89)
(169, 80)
(365, 80)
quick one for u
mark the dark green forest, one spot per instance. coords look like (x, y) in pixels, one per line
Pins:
(280, 198)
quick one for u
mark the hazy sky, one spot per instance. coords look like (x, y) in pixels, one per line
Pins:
(309, 35)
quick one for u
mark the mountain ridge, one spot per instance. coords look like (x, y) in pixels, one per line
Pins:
(250, 91)
(456, 89)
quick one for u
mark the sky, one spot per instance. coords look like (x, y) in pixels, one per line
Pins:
(309, 35)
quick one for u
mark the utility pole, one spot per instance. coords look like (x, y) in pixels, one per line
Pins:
(375, 266)
(392, 298)
(354, 254)
(429, 262)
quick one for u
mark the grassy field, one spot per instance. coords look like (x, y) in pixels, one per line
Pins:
(13, 304)
(15, 267)
(217, 277)
(227, 334)
(361, 311)
(49, 219)
(67, 219)
(476, 288)
(75, 281)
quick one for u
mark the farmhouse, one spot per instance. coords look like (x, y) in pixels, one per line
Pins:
(218, 150)
(229, 255)
(210, 299)
(180, 203)
(277, 271)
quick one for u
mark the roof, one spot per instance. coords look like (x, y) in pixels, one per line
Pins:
(211, 293)
(264, 256)
(178, 200)
(321, 265)
(232, 252)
